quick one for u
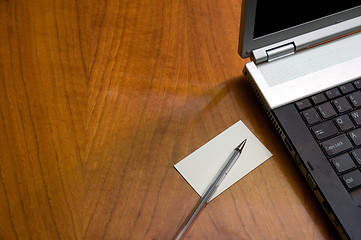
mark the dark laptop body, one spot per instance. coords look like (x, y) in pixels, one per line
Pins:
(310, 88)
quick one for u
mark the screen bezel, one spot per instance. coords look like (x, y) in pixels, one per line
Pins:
(247, 43)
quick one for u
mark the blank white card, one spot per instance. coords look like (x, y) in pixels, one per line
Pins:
(202, 166)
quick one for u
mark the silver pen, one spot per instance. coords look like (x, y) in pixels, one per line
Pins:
(211, 189)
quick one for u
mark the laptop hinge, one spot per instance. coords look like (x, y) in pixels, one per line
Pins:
(280, 52)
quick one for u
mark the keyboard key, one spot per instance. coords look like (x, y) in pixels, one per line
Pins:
(352, 179)
(355, 136)
(325, 130)
(344, 123)
(311, 116)
(319, 98)
(357, 84)
(326, 110)
(303, 104)
(333, 93)
(342, 105)
(356, 116)
(355, 99)
(356, 155)
(336, 145)
(347, 88)
(343, 163)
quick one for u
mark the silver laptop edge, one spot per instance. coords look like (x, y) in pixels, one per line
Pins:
(285, 81)
(308, 39)
(296, 37)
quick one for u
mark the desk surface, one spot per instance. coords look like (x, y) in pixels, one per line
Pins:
(99, 99)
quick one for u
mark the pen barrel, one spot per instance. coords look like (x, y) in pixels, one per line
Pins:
(222, 174)
(201, 204)
(209, 192)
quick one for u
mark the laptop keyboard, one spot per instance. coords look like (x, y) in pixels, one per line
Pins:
(334, 119)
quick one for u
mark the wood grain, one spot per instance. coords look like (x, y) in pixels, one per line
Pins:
(99, 99)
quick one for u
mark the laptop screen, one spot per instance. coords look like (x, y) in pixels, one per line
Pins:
(273, 16)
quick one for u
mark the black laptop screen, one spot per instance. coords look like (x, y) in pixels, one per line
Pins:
(274, 16)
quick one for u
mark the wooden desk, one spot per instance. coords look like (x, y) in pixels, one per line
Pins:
(99, 99)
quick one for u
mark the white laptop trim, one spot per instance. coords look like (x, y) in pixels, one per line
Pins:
(308, 72)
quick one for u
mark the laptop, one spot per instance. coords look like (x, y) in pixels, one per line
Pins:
(306, 71)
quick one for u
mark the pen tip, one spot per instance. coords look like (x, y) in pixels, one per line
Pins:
(241, 145)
